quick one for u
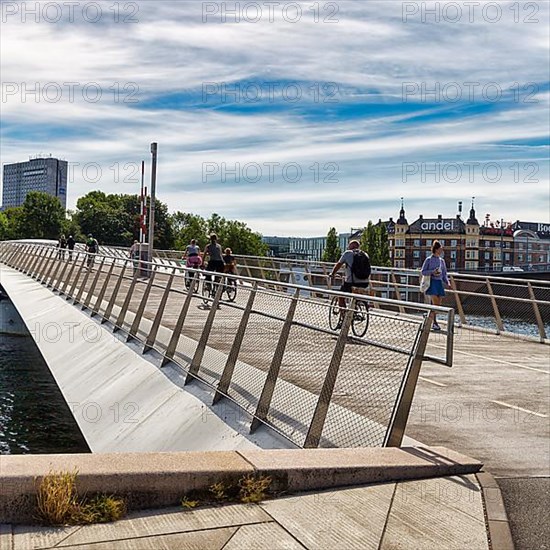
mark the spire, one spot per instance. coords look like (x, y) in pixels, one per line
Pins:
(402, 220)
(472, 219)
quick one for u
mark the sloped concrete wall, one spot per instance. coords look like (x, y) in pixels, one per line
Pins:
(121, 401)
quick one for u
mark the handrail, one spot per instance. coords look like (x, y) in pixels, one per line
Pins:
(260, 345)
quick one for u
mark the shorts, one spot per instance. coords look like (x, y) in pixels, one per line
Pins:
(215, 265)
(194, 261)
(347, 287)
(436, 288)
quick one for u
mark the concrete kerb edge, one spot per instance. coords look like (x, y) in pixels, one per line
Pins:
(172, 476)
(498, 525)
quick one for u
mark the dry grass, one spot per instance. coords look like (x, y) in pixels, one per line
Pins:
(58, 503)
(253, 489)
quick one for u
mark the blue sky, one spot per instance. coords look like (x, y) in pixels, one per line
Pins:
(292, 127)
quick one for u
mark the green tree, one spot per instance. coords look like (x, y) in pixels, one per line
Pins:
(189, 226)
(4, 227)
(237, 236)
(383, 246)
(370, 243)
(332, 252)
(42, 216)
(13, 219)
(114, 219)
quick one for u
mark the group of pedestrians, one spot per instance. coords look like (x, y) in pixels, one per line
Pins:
(66, 247)
(358, 270)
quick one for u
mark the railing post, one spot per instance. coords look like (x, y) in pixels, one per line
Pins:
(397, 293)
(141, 308)
(72, 287)
(69, 288)
(96, 307)
(319, 416)
(61, 276)
(500, 326)
(124, 309)
(31, 265)
(199, 351)
(269, 386)
(65, 282)
(402, 407)
(542, 330)
(90, 293)
(42, 265)
(82, 287)
(172, 345)
(227, 374)
(107, 315)
(151, 338)
(458, 302)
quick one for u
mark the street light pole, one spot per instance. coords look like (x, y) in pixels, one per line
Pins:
(154, 147)
(501, 244)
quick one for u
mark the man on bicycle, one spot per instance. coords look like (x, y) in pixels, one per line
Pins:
(358, 270)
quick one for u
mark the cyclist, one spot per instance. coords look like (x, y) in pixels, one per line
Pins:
(214, 251)
(193, 255)
(92, 247)
(358, 270)
(230, 265)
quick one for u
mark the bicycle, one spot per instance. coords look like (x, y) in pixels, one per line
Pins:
(209, 289)
(360, 320)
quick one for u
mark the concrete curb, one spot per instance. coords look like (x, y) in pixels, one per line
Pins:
(155, 480)
(498, 525)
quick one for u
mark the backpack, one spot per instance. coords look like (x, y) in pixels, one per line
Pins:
(360, 267)
(92, 246)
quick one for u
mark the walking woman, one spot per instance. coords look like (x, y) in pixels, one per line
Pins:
(435, 267)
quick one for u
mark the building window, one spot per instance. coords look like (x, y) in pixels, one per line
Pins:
(507, 256)
(417, 243)
(416, 254)
(453, 242)
(453, 254)
(520, 257)
(399, 242)
(487, 255)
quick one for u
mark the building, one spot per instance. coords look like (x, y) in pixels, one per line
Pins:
(312, 248)
(48, 175)
(278, 246)
(469, 246)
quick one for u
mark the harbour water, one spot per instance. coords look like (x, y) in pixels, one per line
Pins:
(34, 417)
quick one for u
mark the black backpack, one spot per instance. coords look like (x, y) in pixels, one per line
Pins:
(360, 267)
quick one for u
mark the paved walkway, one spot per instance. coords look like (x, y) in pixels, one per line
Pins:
(440, 513)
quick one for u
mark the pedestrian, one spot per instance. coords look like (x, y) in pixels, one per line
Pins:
(92, 248)
(70, 245)
(134, 254)
(434, 267)
(62, 244)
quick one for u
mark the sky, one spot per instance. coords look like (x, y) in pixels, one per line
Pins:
(296, 117)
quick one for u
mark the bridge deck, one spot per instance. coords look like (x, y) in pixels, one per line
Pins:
(493, 403)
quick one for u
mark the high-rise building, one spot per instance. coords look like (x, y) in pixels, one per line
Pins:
(48, 175)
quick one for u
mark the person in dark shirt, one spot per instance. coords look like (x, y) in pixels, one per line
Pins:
(214, 252)
(70, 245)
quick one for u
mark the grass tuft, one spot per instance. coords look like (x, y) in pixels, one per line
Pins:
(58, 503)
(254, 489)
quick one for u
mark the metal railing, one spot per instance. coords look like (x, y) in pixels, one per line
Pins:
(271, 352)
(499, 304)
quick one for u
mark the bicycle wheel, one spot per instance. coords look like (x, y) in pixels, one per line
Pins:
(187, 280)
(206, 290)
(334, 314)
(360, 322)
(231, 290)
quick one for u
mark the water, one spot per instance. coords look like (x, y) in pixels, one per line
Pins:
(512, 326)
(34, 417)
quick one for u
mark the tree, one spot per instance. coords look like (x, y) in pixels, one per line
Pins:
(332, 252)
(189, 226)
(383, 246)
(42, 216)
(114, 219)
(237, 236)
(13, 220)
